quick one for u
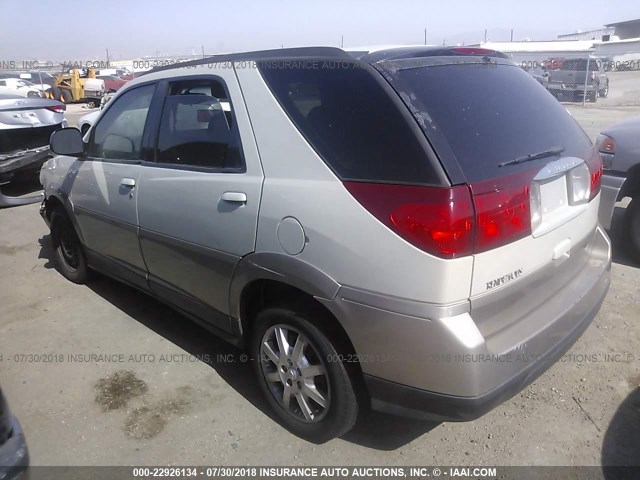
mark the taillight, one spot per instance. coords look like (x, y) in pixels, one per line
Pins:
(607, 149)
(594, 162)
(469, 219)
(503, 211)
(58, 108)
(606, 144)
(438, 220)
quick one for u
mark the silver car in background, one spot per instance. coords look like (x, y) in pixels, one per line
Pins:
(414, 230)
(26, 124)
(619, 147)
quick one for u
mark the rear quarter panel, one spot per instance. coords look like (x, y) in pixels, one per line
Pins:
(343, 240)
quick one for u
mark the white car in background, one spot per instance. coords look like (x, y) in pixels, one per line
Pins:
(85, 122)
(22, 88)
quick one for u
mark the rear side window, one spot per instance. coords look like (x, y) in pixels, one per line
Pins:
(351, 121)
(486, 115)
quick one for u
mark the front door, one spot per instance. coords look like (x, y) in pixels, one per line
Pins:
(105, 190)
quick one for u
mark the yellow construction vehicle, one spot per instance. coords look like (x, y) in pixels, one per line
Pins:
(77, 86)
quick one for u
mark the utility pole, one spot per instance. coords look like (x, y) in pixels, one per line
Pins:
(512, 34)
(485, 35)
(107, 55)
(342, 42)
(202, 50)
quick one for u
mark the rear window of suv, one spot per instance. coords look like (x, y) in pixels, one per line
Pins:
(486, 115)
(351, 120)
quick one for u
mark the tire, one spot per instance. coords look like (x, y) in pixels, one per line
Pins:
(57, 94)
(33, 95)
(605, 91)
(65, 96)
(93, 103)
(332, 384)
(69, 256)
(632, 228)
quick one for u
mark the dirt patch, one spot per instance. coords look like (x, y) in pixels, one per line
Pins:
(117, 389)
(149, 420)
(9, 250)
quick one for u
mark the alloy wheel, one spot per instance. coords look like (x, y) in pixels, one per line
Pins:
(295, 373)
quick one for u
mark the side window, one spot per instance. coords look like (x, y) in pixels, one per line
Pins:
(118, 134)
(352, 122)
(198, 127)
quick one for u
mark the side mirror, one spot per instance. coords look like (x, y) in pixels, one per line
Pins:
(67, 141)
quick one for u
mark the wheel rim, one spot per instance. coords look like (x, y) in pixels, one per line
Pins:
(295, 373)
(69, 247)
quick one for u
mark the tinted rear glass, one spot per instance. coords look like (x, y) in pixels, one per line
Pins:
(579, 64)
(486, 115)
(351, 120)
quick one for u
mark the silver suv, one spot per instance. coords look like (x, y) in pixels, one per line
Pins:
(413, 230)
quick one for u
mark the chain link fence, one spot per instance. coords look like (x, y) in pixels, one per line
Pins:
(599, 85)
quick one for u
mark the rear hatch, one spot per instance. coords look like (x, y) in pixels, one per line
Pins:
(532, 174)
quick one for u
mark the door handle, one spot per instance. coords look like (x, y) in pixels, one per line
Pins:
(128, 182)
(235, 197)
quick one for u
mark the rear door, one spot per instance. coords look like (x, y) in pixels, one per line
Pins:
(198, 204)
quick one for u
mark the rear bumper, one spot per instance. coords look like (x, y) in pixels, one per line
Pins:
(458, 362)
(14, 455)
(563, 87)
(30, 160)
(610, 189)
(393, 398)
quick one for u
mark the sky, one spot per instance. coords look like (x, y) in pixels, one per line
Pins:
(78, 30)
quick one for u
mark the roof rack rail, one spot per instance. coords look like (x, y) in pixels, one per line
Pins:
(331, 52)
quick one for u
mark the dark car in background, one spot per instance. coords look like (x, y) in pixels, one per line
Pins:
(14, 455)
(44, 78)
(577, 77)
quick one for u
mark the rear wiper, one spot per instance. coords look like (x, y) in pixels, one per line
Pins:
(534, 156)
